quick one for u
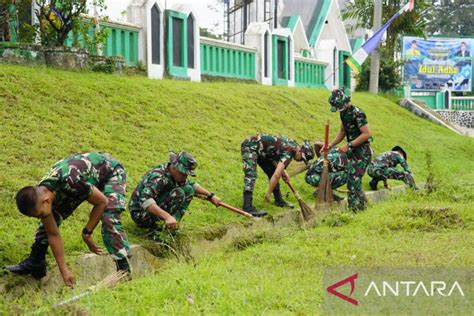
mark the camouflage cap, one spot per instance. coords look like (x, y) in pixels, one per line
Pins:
(183, 162)
(307, 151)
(400, 149)
(338, 99)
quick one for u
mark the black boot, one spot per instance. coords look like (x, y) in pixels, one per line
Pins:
(35, 264)
(279, 199)
(122, 265)
(248, 205)
(373, 184)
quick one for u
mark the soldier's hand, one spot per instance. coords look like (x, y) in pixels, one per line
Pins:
(68, 278)
(267, 198)
(171, 222)
(343, 149)
(285, 178)
(91, 244)
(216, 200)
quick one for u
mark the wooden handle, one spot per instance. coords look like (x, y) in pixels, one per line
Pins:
(227, 206)
(326, 141)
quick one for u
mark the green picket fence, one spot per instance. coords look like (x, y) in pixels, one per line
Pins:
(122, 40)
(309, 74)
(223, 59)
(462, 103)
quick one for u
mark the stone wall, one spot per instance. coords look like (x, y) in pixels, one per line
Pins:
(462, 118)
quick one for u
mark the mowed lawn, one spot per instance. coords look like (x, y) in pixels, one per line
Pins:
(48, 114)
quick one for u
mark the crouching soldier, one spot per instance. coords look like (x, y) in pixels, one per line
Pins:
(273, 154)
(93, 177)
(337, 169)
(384, 167)
(164, 193)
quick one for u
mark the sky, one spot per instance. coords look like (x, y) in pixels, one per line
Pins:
(208, 12)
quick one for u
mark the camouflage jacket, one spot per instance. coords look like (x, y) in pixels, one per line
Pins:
(337, 162)
(73, 178)
(352, 120)
(155, 183)
(276, 148)
(390, 159)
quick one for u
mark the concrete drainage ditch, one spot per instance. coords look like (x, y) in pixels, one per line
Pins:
(90, 268)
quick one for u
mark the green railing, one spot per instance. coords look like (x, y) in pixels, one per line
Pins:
(223, 59)
(462, 103)
(122, 40)
(309, 73)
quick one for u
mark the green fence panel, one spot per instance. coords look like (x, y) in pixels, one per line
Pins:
(309, 75)
(119, 42)
(227, 62)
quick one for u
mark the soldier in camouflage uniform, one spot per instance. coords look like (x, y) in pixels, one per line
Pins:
(165, 192)
(337, 169)
(355, 128)
(273, 154)
(93, 177)
(384, 167)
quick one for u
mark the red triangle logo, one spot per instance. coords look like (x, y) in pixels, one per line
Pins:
(332, 289)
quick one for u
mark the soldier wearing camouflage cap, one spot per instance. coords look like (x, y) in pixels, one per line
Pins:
(165, 192)
(93, 177)
(355, 128)
(337, 169)
(385, 167)
(273, 154)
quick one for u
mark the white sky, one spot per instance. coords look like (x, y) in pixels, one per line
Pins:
(210, 13)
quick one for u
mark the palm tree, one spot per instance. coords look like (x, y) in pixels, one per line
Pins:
(410, 23)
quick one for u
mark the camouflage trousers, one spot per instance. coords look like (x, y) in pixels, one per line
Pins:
(113, 234)
(175, 202)
(384, 173)
(249, 152)
(313, 176)
(359, 159)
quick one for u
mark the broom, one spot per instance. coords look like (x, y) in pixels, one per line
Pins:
(324, 188)
(227, 206)
(109, 282)
(306, 210)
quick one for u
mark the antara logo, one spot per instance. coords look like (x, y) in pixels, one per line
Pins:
(332, 289)
(397, 289)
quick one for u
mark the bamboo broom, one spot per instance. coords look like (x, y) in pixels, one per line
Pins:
(108, 282)
(324, 188)
(306, 210)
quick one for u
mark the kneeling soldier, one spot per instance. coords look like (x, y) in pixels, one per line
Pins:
(273, 154)
(165, 193)
(384, 167)
(337, 169)
(95, 177)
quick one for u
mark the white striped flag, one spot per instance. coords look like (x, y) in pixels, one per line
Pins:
(356, 60)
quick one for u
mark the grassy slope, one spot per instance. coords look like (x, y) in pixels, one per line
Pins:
(48, 114)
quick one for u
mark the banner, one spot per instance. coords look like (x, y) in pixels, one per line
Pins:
(436, 63)
(356, 60)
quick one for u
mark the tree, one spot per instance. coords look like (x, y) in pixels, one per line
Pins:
(451, 17)
(59, 17)
(413, 23)
(389, 76)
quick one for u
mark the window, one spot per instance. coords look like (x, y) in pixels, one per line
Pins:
(155, 35)
(177, 41)
(190, 25)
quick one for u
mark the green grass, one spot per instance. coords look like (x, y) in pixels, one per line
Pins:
(48, 114)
